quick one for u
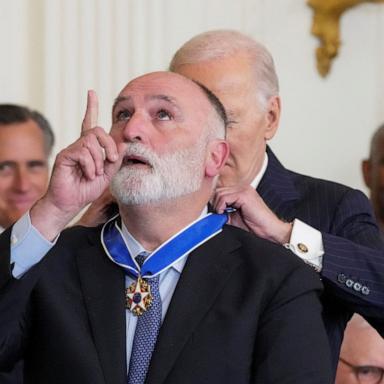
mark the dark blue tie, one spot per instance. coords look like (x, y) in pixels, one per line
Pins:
(147, 329)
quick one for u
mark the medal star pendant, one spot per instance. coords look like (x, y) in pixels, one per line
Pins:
(138, 297)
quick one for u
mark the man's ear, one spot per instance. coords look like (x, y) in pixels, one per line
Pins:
(272, 117)
(366, 170)
(218, 152)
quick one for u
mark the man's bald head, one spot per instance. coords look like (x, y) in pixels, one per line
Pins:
(219, 122)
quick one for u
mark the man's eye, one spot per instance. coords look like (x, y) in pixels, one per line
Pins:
(36, 165)
(370, 372)
(123, 115)
(164, 115)
(4, 166)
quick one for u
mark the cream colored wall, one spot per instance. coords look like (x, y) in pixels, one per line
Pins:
(54, 50)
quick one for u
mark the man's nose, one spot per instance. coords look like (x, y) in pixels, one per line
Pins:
(22, 180)
(136, 129)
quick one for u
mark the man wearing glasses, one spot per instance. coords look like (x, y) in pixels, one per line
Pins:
(362, 355)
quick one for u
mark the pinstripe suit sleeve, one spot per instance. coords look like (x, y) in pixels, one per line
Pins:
(353, 263)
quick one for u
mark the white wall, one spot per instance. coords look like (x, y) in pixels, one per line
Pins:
(54, 50)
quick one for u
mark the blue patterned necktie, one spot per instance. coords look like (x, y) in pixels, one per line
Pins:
(147, 329)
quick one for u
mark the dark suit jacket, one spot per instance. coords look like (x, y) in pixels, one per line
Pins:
(244, 311)
(354, 251)
(13, 377)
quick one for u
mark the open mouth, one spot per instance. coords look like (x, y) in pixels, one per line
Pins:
(134, 160)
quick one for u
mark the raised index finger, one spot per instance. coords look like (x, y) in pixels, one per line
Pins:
(91, 113)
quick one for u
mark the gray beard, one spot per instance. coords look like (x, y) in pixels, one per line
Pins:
(168, 177)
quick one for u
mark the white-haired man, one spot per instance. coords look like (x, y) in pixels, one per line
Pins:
(164, 293)
(327, 225)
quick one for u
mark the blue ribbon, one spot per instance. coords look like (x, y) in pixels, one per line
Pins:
(168, 253)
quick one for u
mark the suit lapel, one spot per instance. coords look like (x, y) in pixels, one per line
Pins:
(204, 275)
(103, 287)
(277, 188)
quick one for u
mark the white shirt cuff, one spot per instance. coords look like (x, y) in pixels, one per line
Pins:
(307, 243)
(28, 246)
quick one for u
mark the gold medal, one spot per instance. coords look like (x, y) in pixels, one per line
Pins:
(138, 297)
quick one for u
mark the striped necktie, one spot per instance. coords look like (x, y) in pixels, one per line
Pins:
(147, 329)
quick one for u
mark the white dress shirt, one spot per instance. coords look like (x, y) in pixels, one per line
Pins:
(305, 241)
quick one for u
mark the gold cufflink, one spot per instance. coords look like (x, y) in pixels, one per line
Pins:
(302, 247)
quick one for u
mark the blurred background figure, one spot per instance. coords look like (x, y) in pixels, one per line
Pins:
(373, 173)
(26, 141)
(362, 354)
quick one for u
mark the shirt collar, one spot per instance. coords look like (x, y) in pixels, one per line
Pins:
(136, 248)
(260, 175)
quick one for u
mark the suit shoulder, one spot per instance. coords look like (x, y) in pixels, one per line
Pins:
(309, 185)
(77, 236)
(315, 182)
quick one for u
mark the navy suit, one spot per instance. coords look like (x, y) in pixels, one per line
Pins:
(13, 377)
(353, 262)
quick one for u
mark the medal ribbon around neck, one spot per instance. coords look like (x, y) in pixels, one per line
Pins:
(170, 252)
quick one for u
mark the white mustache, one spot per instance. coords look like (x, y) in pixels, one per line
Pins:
(140, 150)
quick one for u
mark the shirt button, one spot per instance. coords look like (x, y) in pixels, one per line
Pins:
(13, 239)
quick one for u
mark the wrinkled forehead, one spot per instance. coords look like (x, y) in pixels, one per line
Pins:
(166, 86)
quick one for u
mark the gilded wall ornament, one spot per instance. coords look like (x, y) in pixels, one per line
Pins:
(326, 26)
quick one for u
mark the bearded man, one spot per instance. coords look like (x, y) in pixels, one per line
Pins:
(164, 292)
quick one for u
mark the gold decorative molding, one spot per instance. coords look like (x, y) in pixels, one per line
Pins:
(326, 26)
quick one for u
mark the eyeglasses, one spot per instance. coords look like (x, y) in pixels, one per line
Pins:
(366, 374)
